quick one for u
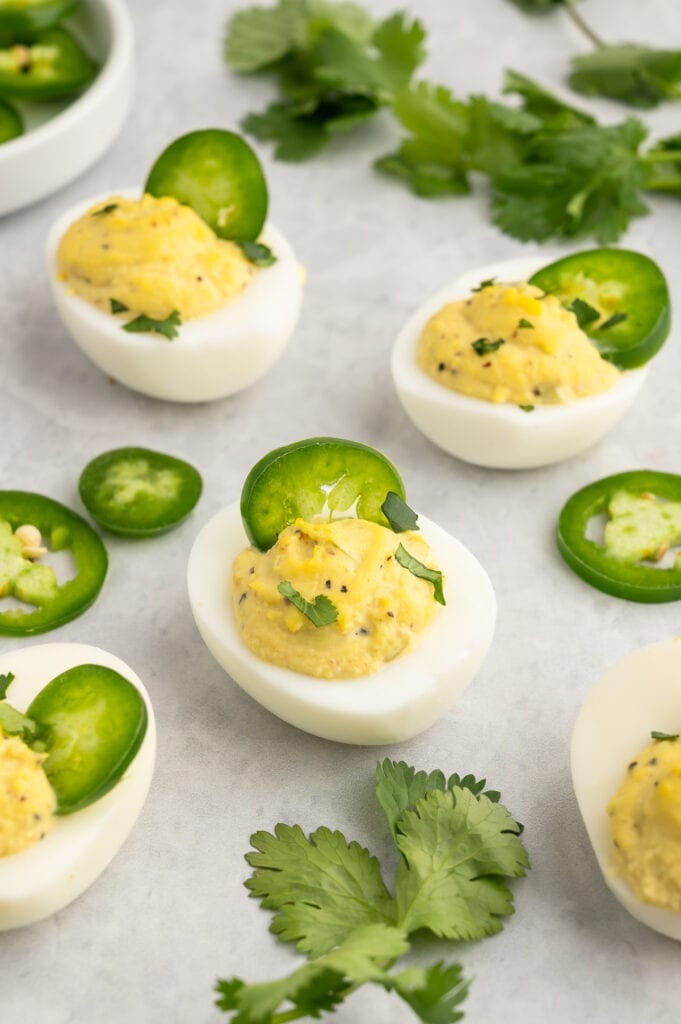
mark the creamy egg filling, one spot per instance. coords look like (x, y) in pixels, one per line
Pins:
(27, 801)
(151, 256)
(511, 343)
(645, 825)
(382, 608)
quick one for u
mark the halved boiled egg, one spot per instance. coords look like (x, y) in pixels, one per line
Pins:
(212, 356)
(500, 436)
(47, 876)
(399, 701)
(638, 697)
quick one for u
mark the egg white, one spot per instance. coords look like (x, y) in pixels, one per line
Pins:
(401, 700)
(213, 356)
(500, 436)
(639, 694)
(49, 875)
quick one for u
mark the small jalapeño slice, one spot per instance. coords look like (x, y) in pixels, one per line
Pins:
(627, 290)
(216, 173)
(305, 479)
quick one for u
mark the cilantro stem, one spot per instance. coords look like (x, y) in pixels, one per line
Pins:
(669, 156)
(578, 20)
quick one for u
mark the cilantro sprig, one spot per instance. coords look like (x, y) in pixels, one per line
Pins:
(457, 846)
(320, 612)
(13, 722)
(400, 517)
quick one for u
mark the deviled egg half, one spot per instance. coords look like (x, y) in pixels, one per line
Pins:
(518, 364)
(327, 600)
(77, 750)
(626, 772)
(182, 292)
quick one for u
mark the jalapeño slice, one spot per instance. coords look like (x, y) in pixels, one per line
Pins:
(34, 582)
(32, 15)
(92, 722)
(137, 492)
(51, 65)
(644, 523)
(627, 290)
(216, 173)
(311, 477)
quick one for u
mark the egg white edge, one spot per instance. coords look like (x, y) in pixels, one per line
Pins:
(81, 845)
(193, 334)
(409, 376)
(639, 694)
(401, 700)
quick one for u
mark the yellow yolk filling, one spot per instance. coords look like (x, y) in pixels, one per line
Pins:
(545, 358)
(382, 608)
(645, 824)
(152, 255)
(27, 801)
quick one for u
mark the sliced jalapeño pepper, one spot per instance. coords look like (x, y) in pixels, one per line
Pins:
(49, 66)
(624, 295)
(137, 492)
(636, 559)
(32, 15)
(216, 173)
(321, 475)
(11, 124)
(27, 576)
(91, 722)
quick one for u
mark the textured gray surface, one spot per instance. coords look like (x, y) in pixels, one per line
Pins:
(146, 942)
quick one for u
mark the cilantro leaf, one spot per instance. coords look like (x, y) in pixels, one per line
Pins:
(433, 993)
(258, 254)
(6, 680)
(320, 612)
(424, 177)
(616, 318)
(260, 36)
(660, 736)
(637, 75)
(398, 513)
(14, 723)
(483, 346)
(525, 325)
(109, 208)
(320, 888)
(584, 313)
(456, 848)
(301, 130)
(117, 307)
(526, 408)
(662, 163)
(542, 104)
(144, 324)
(422, 572)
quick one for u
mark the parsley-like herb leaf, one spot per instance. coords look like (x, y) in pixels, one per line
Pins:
(616, 318)
(144, 324)
(14, 723)
(526, 408)
(422, 572)
(637, 75)
(526, 325)
(483, 346)
(320, 612)
(484, 284)
(400, 517)
(109, 208)
(584, 313)
(117, 307)
(6, 680)
(660, 736)
(258, 254)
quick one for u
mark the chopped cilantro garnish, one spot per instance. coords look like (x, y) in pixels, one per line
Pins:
(484, 284)
(483, 346)
(146, 324)
(398, 513)
(585, 313)
(6, 681)
(117, 307)
(109, 208)
(320, 612)
(616, 318)
(422, 571)
(524, 324)
(259, 254)
(660, 736)
(526, 408)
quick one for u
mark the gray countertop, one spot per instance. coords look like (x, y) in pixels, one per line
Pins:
(146, 942)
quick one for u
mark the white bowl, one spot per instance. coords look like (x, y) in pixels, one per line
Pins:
(52, 153)
(496, 435)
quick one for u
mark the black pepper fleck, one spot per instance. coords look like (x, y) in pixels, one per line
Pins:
(242, 598)
(344, 589)
(441, 367)
(328, 584)
(632, 765)
(652, 762)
